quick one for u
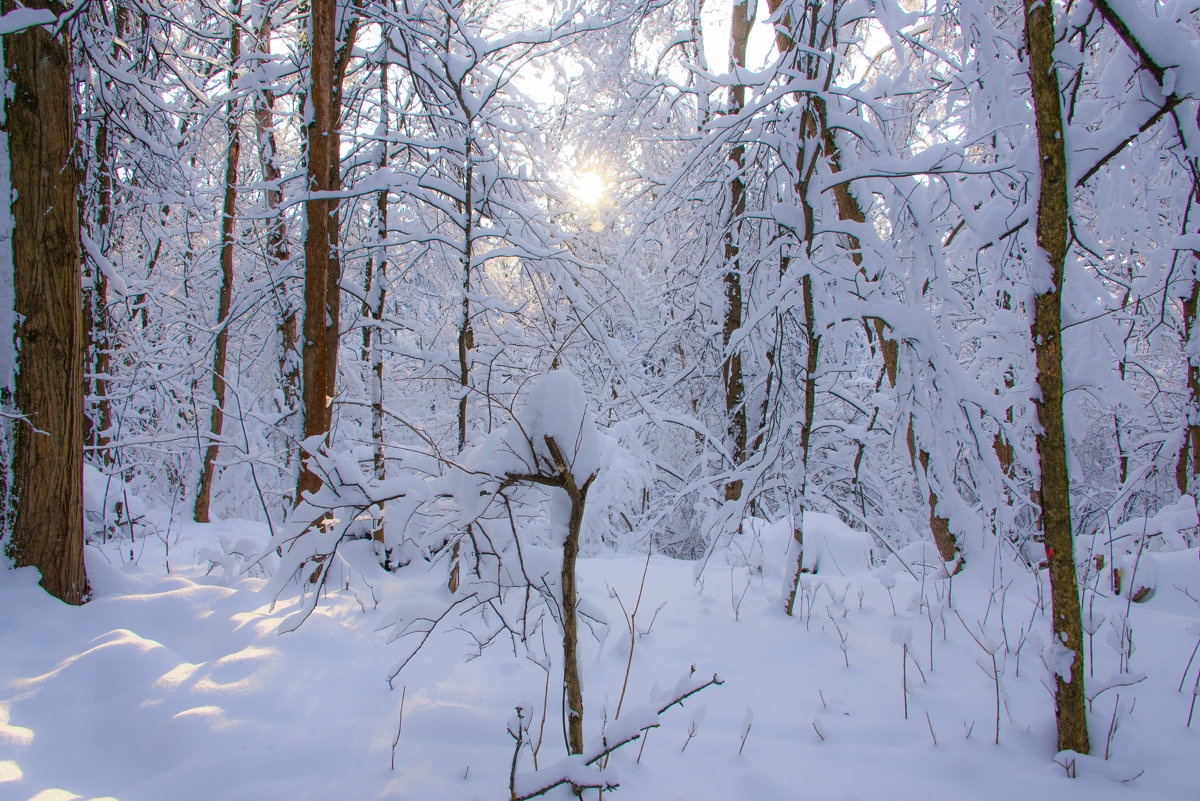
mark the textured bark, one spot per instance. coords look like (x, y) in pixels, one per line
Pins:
(318, 139)
(570, 601)
(731, 367)
(48, 444)
(373, 331)
(1052, 214)
(1189, 452)
(225, 297)
(333, 276)
(947, 545)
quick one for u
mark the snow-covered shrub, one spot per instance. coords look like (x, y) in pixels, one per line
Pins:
(110, 506)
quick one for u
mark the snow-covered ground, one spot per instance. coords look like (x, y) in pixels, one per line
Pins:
(173, 686)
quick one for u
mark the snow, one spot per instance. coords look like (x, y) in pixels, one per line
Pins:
(556, 408)
(181, 685)
(206, 665)
(21, 18)
(831, 548)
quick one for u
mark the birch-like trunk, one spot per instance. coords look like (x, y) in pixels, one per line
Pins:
(376, 294)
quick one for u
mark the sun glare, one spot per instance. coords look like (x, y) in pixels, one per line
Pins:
(589, 188)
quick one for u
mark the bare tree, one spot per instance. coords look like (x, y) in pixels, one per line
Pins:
(317, 243)
(225, 295)
(1052, 219)
(731, 366)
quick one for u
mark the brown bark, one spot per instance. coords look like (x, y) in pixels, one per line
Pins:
(570, 601)
(48, 443)
(333, 276)
(318, 138)
(1052, 215)
(1189, 452)
(466, 331)
(731, 367)
(945, 542)
(225, 298)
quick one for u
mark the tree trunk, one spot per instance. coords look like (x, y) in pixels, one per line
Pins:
(1189, 452)
(225, 299)
(1053, 210)
(943, 539)
(572, 685)
(731, 367)
(810, 405)
(333, 277)
(373, 330)
(318, 138)
(466, 334)
(47, 468)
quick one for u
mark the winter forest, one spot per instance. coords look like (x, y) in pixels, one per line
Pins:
(513, 399)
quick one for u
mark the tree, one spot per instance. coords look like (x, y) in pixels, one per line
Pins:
(731, 365)
(48, 438)
(221, 347)
(1055, 493)
(277, 256)
(375, 295)
(317, 244)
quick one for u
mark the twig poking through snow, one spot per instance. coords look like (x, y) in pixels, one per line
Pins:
(399, 725)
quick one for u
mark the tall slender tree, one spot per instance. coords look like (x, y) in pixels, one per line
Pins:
(317, 210)
(1053, 211)
(225, 294)
(741, 24)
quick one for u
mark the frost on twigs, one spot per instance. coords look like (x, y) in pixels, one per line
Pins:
(339, 511)
(583, 771)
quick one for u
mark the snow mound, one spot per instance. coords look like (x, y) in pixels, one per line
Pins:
(556, 408)
(830, 546)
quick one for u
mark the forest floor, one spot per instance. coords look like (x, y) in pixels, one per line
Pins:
(181, 686)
